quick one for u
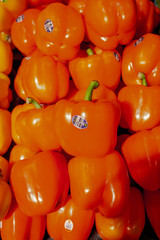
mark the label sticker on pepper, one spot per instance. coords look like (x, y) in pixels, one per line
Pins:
(20, 18)
(116, 56)
(48, 25)
(79, 122)
(138, 41)
(68, 225)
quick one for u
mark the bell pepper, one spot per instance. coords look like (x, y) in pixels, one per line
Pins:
(23, 31)
(146, 17)
(59, 31)
(151, 202)
(109, 23)
(6, 95)
(87, 127)
(139, 56)
(6, 59)
(104, 66)
(42, 135)
(9, 10)
(14, 113)
(40, 183)
(5, 131)
(19, 152)
(129, 225)
(70, 222)
(139, 106)
(102, 183)
(17, 226)
(32, 80)
(142, 155)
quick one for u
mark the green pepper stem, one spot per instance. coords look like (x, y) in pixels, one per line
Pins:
(90, 52)
(93, 85)
(33, 101)
(143, 78)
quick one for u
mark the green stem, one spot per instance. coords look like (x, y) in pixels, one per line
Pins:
(90, 52)
(93, 85)
(143, 78)
(34, 102)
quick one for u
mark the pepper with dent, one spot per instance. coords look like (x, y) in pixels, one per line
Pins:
(40, 183)
(32, 81)
(142, 55)
(102, 183)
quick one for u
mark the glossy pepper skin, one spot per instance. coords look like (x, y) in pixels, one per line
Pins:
(42, 135)
(87, 127)
(70, 222)
(5, 91)
(15, 112)
(19, 152)
(40, 183)
(104, 66)
(43, 3)
(147, 14)
(109, 23)
(9, 10)
(23, 31)
(79, 5)
(6, 57)
(139, 56)
(59, 31)
(139, 107)
(142, 154)
(102, 183)
(5, 131)
(129, 225)
(32, 80)
(151, 201)
(17, 226)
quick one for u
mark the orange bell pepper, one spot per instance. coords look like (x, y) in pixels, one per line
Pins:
(104, 66)
(85, 127)
(42, 135)
(5, 131)
(70, 222)
(151, 201)
(146, 17)
(32, 80)
(59, 31)
(9, 10)
(139, 56)
(23, 31)
(139, 106)
(129, 225)
(102, 183)
(17, 226)
(6, 59)
(5, 92)
(142, 154)
(40, 183)
(15, 112)
(110, 23)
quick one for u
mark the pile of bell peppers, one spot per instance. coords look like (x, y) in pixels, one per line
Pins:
(79, 119)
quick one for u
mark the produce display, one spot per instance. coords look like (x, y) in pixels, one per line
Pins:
(80, 120)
